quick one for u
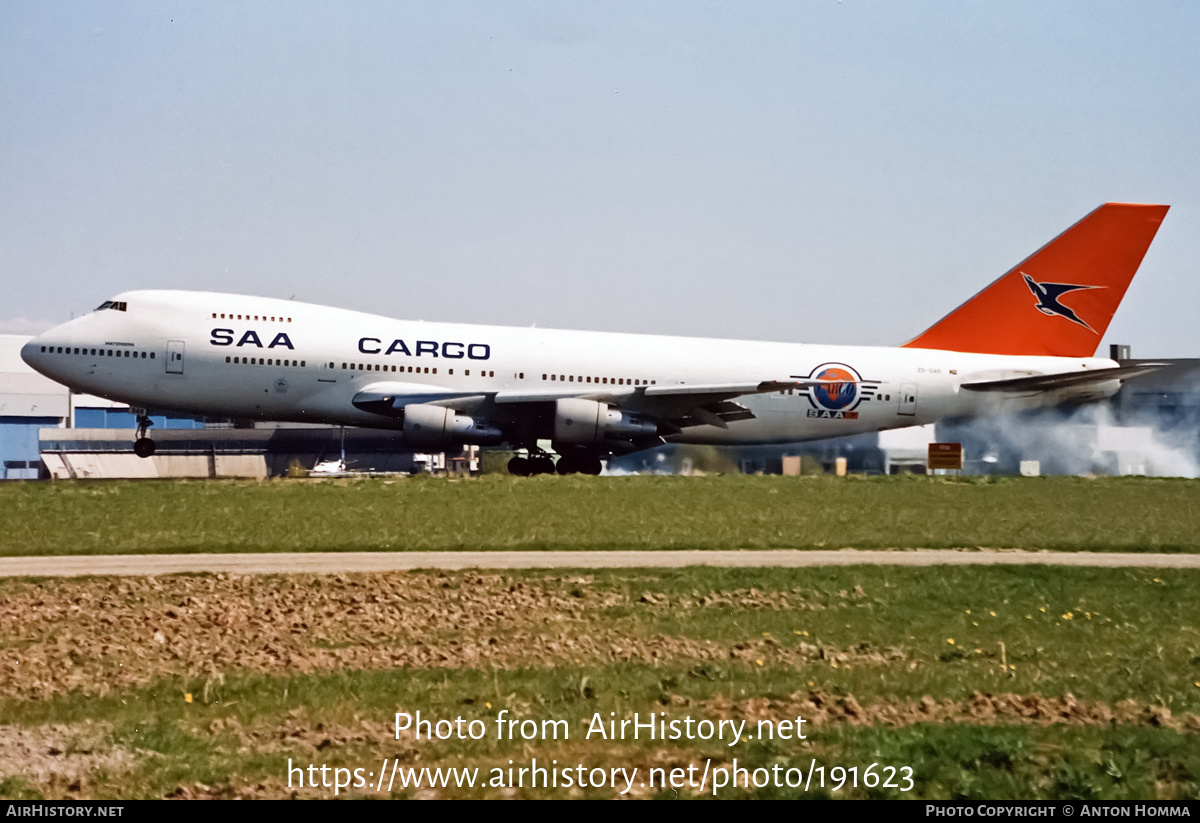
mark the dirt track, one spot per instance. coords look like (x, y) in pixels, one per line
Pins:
(343, 562)
(99, 634)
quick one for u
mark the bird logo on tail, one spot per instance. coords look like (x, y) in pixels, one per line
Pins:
(1047, 295)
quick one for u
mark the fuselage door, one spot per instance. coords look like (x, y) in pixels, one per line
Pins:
(174, 357)
(908, 399)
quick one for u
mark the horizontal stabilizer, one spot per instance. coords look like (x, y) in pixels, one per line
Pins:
(1049, 382)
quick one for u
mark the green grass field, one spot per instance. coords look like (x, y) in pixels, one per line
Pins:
(726, 512)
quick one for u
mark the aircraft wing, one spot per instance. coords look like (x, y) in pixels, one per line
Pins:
(676, 406)
(687, 393)
(703, 404)
(1049, 382)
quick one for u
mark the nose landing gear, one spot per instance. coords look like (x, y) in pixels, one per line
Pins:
(143, 446)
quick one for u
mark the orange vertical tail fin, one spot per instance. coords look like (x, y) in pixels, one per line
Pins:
(1059, 300)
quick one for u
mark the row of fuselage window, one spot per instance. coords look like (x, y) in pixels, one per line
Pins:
(561, 378)
(610, 381)
(260, 317)
(410, 369)
(265, 361)
(97, 352)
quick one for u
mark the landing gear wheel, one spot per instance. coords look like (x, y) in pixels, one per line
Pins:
(567, 465)
(520, 466)
(542, 465)
(590, 465)
(143, 446)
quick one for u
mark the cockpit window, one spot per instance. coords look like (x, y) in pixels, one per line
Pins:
(112, 304)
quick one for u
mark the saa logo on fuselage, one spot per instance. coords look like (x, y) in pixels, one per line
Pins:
(224, 337)
(837, 392)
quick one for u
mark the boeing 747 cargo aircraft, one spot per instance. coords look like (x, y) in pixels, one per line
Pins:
(1027, 340)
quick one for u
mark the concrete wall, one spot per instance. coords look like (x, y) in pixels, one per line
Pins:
(83, 465)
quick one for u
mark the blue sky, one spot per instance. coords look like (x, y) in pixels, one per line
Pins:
(816, 172)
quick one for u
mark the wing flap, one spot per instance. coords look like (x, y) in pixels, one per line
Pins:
(732, 389)
(698, 394)
(719, 414)
(387, 398)
(550, 395)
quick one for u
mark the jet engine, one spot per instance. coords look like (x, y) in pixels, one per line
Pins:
(580, 422)
(424, 424)
(433, 426)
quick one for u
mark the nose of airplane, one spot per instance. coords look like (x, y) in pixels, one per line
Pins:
(42, 353)
(31, 353)
(35, 353)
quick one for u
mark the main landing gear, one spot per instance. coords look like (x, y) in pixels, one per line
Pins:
(143, 446)
(581, 463)
(539, 462)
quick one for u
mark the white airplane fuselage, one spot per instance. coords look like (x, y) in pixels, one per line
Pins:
(227, 355)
